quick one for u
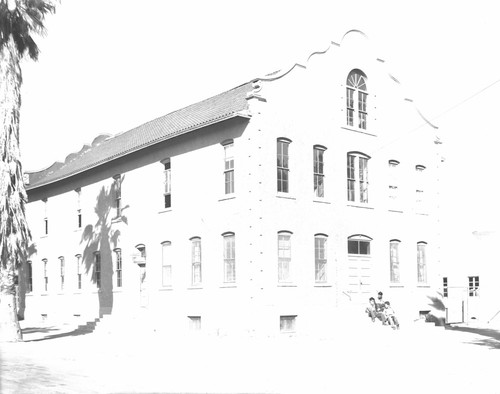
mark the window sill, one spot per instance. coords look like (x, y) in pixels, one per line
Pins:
(165, 210)
(422, 213)
(395, 210)
(323, 285)
(166, 288)
(359, 205)
(321, 201)
(287, 284)
(285, 196)
(227, 286)
(396, 286)
(227, 197)
(422, 286)
(357, 130)
(195, 287)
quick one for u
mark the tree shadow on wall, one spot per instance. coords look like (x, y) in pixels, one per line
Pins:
(102, 239)
(22, 285)
(438, 308)
(488, 337)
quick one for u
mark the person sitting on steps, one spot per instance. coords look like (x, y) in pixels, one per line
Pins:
(373, 313)
(391, 316)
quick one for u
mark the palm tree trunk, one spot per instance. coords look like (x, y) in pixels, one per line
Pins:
(14, 233)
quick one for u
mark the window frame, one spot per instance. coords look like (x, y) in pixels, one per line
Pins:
(45, 274)
(395, 263)
(422, 263)
(283, 165)
(356, 99)
(394, 181)
(117, 187)
(167, 183)
(118, 267)
(229, 180)
(284, 261)
(320, 258)
(196, 266)
(420, 186)
(62, 267)
(288, 324)
(97, 269)
(357, 177)
(473, 288)
(359, 240)
(78, 208)
(78, 271)
(29, 276)
(229, 257)
(319, 171)
(166, 264)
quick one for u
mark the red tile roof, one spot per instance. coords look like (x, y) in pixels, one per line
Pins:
(106, 148)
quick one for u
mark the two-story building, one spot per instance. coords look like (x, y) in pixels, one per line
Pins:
(270, 207)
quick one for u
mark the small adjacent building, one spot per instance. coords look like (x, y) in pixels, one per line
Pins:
(273, 207)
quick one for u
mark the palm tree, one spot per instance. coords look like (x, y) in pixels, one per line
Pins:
(19, 21)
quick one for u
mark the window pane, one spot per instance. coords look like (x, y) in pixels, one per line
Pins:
(352, 247)
(364, 247)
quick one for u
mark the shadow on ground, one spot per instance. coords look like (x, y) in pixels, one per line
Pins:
(491, 340)
(74, 333)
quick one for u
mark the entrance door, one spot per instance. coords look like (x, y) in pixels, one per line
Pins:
(359, 278)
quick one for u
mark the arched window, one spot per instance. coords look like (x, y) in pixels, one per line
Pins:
(356, 95)
(393, 182)
(358, 244)
(78, 262)
(421, 262)
(357, 177)
(62, 270)
(284, 256)
(394, 260)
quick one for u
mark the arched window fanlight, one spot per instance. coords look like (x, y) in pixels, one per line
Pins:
(356, 90)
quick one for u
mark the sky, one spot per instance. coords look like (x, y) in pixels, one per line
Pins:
(107, 66)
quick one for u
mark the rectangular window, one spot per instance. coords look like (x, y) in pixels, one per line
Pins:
(118, 257)
(394, 262)
(194, 323)
(118, 195)
(78, 258)
(421, 263)
(29, 275)
(46, 225)
(350, 106)
(229, 259)
(357, 178)
(473, 286)
(445, 287)
(362, 109)
(97, 269)
(167, 174)
(351, 181)
(45, 275)
(229, 168)
(287, 323)
(319, 176)
(61, 262)
(284, 257)
(196, 261)
(363, 179)
(166, 264)
(283, 166)
(355, 246)
(320, 260)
